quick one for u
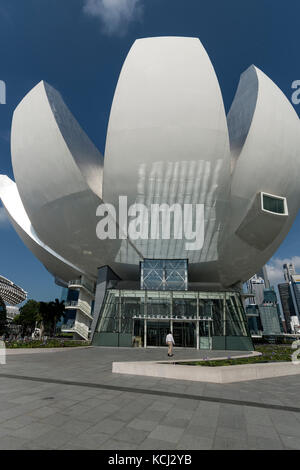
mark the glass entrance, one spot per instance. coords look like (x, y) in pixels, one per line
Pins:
(184, 334)
(157, 332)
(204, 334)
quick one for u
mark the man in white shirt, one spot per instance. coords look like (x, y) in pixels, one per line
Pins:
(170, 342)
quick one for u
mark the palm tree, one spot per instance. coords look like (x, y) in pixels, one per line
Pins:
(58, 309)
(2, 317)
(49, 314)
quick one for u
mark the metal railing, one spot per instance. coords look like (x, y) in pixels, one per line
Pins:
(81, 305)
(75, 328)
(81, 283)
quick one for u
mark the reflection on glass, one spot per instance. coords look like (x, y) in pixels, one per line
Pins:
(208, 315)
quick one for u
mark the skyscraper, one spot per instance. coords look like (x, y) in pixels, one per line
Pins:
(263, 273)
(256, 286)
(295, 281)
(288, 271)
(290, 296)
(263, 315)
(287, 303)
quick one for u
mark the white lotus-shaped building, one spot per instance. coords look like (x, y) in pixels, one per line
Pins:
(168, 141)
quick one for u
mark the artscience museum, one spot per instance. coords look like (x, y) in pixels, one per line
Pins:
(225, 190)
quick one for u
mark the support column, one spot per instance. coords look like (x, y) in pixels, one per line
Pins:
(106, 279)
(145, 333)
(224, 316)
(197, 324)
(120, 315)
(209, 334)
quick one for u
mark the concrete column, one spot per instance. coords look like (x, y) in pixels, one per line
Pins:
(120, 312)
(197, 324)
(106, 279)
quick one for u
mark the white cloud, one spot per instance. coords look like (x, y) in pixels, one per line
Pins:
(115, 15)
(275, 268)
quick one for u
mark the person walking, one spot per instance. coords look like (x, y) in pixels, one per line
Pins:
(170, 342)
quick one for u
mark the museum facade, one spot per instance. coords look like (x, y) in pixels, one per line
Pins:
(169, 145)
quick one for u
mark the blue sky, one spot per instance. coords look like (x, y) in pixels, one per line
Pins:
(79, 46)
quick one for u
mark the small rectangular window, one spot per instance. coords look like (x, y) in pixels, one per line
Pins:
(273, 204)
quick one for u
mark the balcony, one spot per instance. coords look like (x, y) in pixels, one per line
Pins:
(72, 327)
(81, 305)
(78, 283)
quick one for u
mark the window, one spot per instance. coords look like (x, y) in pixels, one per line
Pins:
(164, 274)
(274, 204)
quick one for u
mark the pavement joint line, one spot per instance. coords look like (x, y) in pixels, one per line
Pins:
(162, 393)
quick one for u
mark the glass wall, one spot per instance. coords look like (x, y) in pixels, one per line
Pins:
(184, 333)
(185, 305)
(164, 274)
(206, 320)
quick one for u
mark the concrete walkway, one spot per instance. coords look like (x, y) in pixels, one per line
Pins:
(71, 400)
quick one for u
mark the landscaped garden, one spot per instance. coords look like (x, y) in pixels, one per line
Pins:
(269, 353)
(50, 343)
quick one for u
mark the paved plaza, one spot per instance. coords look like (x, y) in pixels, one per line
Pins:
(71, 400)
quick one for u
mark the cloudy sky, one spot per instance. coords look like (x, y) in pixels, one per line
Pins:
(78, 46)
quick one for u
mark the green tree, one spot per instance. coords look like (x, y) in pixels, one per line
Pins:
(2, 317)
(49, 314)
(58, 309)
(28, 315)
(44, 317)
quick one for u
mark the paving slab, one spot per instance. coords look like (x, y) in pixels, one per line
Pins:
(71, 399)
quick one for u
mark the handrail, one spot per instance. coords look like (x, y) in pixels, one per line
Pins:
(80, 304)
(76, 329)
(79, 282)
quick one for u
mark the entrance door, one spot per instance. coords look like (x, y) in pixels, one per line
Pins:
(204, 334)
(138, 332)
(184, 334)
(157, 332)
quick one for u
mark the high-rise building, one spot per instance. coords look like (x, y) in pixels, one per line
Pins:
(285, 292)
(295, 282)
(263, 273)
(290, 296)
(288, 271)
(269, 319)
(264, 318)
(256, 286)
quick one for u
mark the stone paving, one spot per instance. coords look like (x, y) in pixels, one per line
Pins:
(54, 415)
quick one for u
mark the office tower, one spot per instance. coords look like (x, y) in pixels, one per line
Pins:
(263, 273)
(295, 282)
(288, 271)
(287, 303)
(256, 286)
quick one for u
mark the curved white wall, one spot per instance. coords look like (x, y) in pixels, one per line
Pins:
(265, 142)
(168, 141)
(55, 264)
